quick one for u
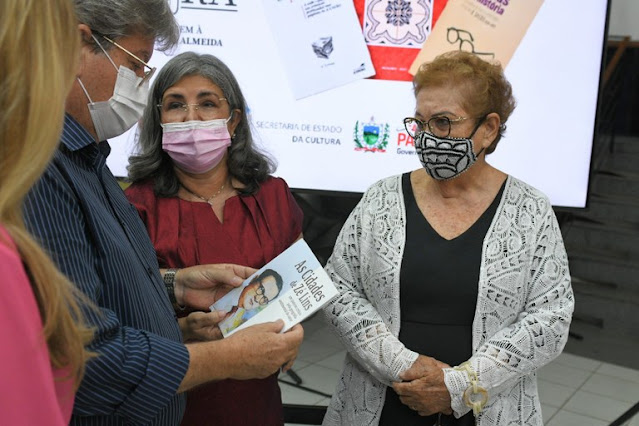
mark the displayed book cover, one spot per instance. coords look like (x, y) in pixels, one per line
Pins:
(394, 31)
(320, 43)
(491, 29)
(290, 287)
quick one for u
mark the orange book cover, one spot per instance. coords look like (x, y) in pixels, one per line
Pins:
(395, 31)
(492, 29)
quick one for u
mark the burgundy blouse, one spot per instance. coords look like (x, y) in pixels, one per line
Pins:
(256, 229)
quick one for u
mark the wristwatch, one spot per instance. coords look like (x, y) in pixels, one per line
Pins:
(169, 282)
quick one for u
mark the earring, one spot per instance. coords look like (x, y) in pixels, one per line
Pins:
(233, 136)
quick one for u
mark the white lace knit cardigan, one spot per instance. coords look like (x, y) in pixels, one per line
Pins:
(521, 322)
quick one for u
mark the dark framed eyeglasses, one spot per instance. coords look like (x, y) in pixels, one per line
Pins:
(439, 125)
(262, 299)
(148, 74)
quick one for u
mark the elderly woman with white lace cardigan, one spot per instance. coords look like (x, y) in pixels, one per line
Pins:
(454, 279)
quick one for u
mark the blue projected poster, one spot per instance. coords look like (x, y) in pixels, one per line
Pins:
(352, 126)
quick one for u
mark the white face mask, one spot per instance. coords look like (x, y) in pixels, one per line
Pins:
(117, 115)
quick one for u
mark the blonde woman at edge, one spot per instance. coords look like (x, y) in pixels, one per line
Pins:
(43, 353)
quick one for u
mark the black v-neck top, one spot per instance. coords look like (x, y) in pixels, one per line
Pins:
(438, 297)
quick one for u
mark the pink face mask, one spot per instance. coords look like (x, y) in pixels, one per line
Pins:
(196, 146)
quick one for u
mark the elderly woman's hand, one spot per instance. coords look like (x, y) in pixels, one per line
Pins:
(423, 388)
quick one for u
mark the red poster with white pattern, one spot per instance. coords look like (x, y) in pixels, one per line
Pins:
(395, 31)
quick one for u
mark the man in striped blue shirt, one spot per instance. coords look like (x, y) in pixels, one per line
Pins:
(81, 216)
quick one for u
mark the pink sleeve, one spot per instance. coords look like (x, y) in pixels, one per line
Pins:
(27, 389)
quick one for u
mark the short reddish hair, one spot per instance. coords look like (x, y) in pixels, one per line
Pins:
(481, 84)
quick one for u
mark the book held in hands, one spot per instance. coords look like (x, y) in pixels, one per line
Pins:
(290, 287)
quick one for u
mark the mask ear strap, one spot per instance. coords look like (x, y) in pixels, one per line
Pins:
(105, 52)
(84, 89)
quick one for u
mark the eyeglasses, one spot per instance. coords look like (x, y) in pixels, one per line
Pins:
(262, 300)
(466, 40)
(439, 125)
(174, 111)
(148, 74)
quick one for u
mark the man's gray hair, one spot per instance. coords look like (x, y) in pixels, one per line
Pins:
(120, 18)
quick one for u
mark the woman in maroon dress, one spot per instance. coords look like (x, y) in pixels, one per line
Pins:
(206, 196)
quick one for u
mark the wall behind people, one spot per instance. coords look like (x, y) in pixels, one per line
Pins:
(624, 82)
(623, 18)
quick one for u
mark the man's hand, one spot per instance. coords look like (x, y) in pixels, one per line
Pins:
(255, 352)
(202, 285)
(262, 350)
(423, 389)
(201, 326)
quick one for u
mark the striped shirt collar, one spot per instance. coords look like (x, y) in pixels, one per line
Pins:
(75, 137)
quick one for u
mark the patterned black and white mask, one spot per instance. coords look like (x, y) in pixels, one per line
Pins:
(445, 158)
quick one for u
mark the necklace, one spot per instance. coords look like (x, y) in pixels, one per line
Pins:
(207, 200)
